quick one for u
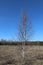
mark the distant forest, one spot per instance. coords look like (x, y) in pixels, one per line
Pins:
(4, 42)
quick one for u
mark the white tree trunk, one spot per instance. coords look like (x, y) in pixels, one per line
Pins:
(23, 53)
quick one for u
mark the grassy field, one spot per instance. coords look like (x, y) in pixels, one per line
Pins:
(12, 55)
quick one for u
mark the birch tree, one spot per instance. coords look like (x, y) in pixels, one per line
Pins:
(25, 31)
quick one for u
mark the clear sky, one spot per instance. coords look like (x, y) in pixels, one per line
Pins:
(10, 13)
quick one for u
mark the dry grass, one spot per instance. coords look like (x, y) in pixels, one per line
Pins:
(11, 55)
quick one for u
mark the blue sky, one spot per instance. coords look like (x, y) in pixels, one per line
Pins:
(10, 14)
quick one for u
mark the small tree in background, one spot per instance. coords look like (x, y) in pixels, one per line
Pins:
(25, 31)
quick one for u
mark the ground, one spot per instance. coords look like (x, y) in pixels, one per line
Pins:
(12, 55)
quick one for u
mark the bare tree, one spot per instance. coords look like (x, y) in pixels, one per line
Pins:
(25, 31)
